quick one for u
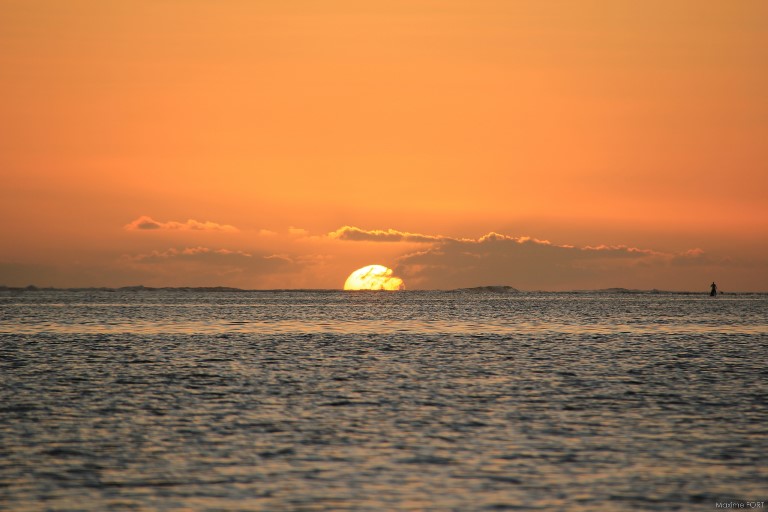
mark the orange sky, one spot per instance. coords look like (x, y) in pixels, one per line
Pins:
(582, 123)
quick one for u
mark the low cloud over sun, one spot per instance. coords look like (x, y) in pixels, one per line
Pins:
(529, 263)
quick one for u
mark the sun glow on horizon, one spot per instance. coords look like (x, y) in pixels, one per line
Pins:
(373, 277)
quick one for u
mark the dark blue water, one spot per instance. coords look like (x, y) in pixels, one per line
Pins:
(381, 401)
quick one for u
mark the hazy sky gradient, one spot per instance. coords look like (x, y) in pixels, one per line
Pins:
(250, 132)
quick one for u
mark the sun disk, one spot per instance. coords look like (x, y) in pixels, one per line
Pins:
(373, 277)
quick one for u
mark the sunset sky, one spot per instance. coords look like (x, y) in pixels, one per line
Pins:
(539, 144)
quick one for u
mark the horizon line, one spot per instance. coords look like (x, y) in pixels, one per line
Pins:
(499, 289)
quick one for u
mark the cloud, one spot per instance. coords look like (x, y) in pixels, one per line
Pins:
(205, 254)
(297, 231)
(521, 261)
(196, 261)
(146, 223)
(525, 262)
(193, 254)
(354, 234)
(498, 259)
(697, 257)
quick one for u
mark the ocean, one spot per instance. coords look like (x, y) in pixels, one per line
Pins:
(368, 401)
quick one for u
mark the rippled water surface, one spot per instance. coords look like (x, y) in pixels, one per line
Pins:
(381, 401)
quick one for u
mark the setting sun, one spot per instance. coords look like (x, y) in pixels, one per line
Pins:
(373, 277)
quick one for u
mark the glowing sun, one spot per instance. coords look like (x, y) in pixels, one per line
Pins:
(373, 277)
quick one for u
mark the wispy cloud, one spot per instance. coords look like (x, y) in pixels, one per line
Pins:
(205, 257)
(146, 223)
(294, 231)
(193, 253)
(354, 234)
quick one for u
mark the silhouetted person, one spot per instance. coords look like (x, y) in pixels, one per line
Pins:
(713, 293)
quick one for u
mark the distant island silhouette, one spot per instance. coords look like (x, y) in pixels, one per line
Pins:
(138, 288)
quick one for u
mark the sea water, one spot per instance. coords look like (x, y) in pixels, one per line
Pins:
(182, 400)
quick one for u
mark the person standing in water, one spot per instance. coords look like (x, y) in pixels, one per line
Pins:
(713, 293)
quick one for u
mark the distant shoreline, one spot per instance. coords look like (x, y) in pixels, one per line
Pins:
(500, 290)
